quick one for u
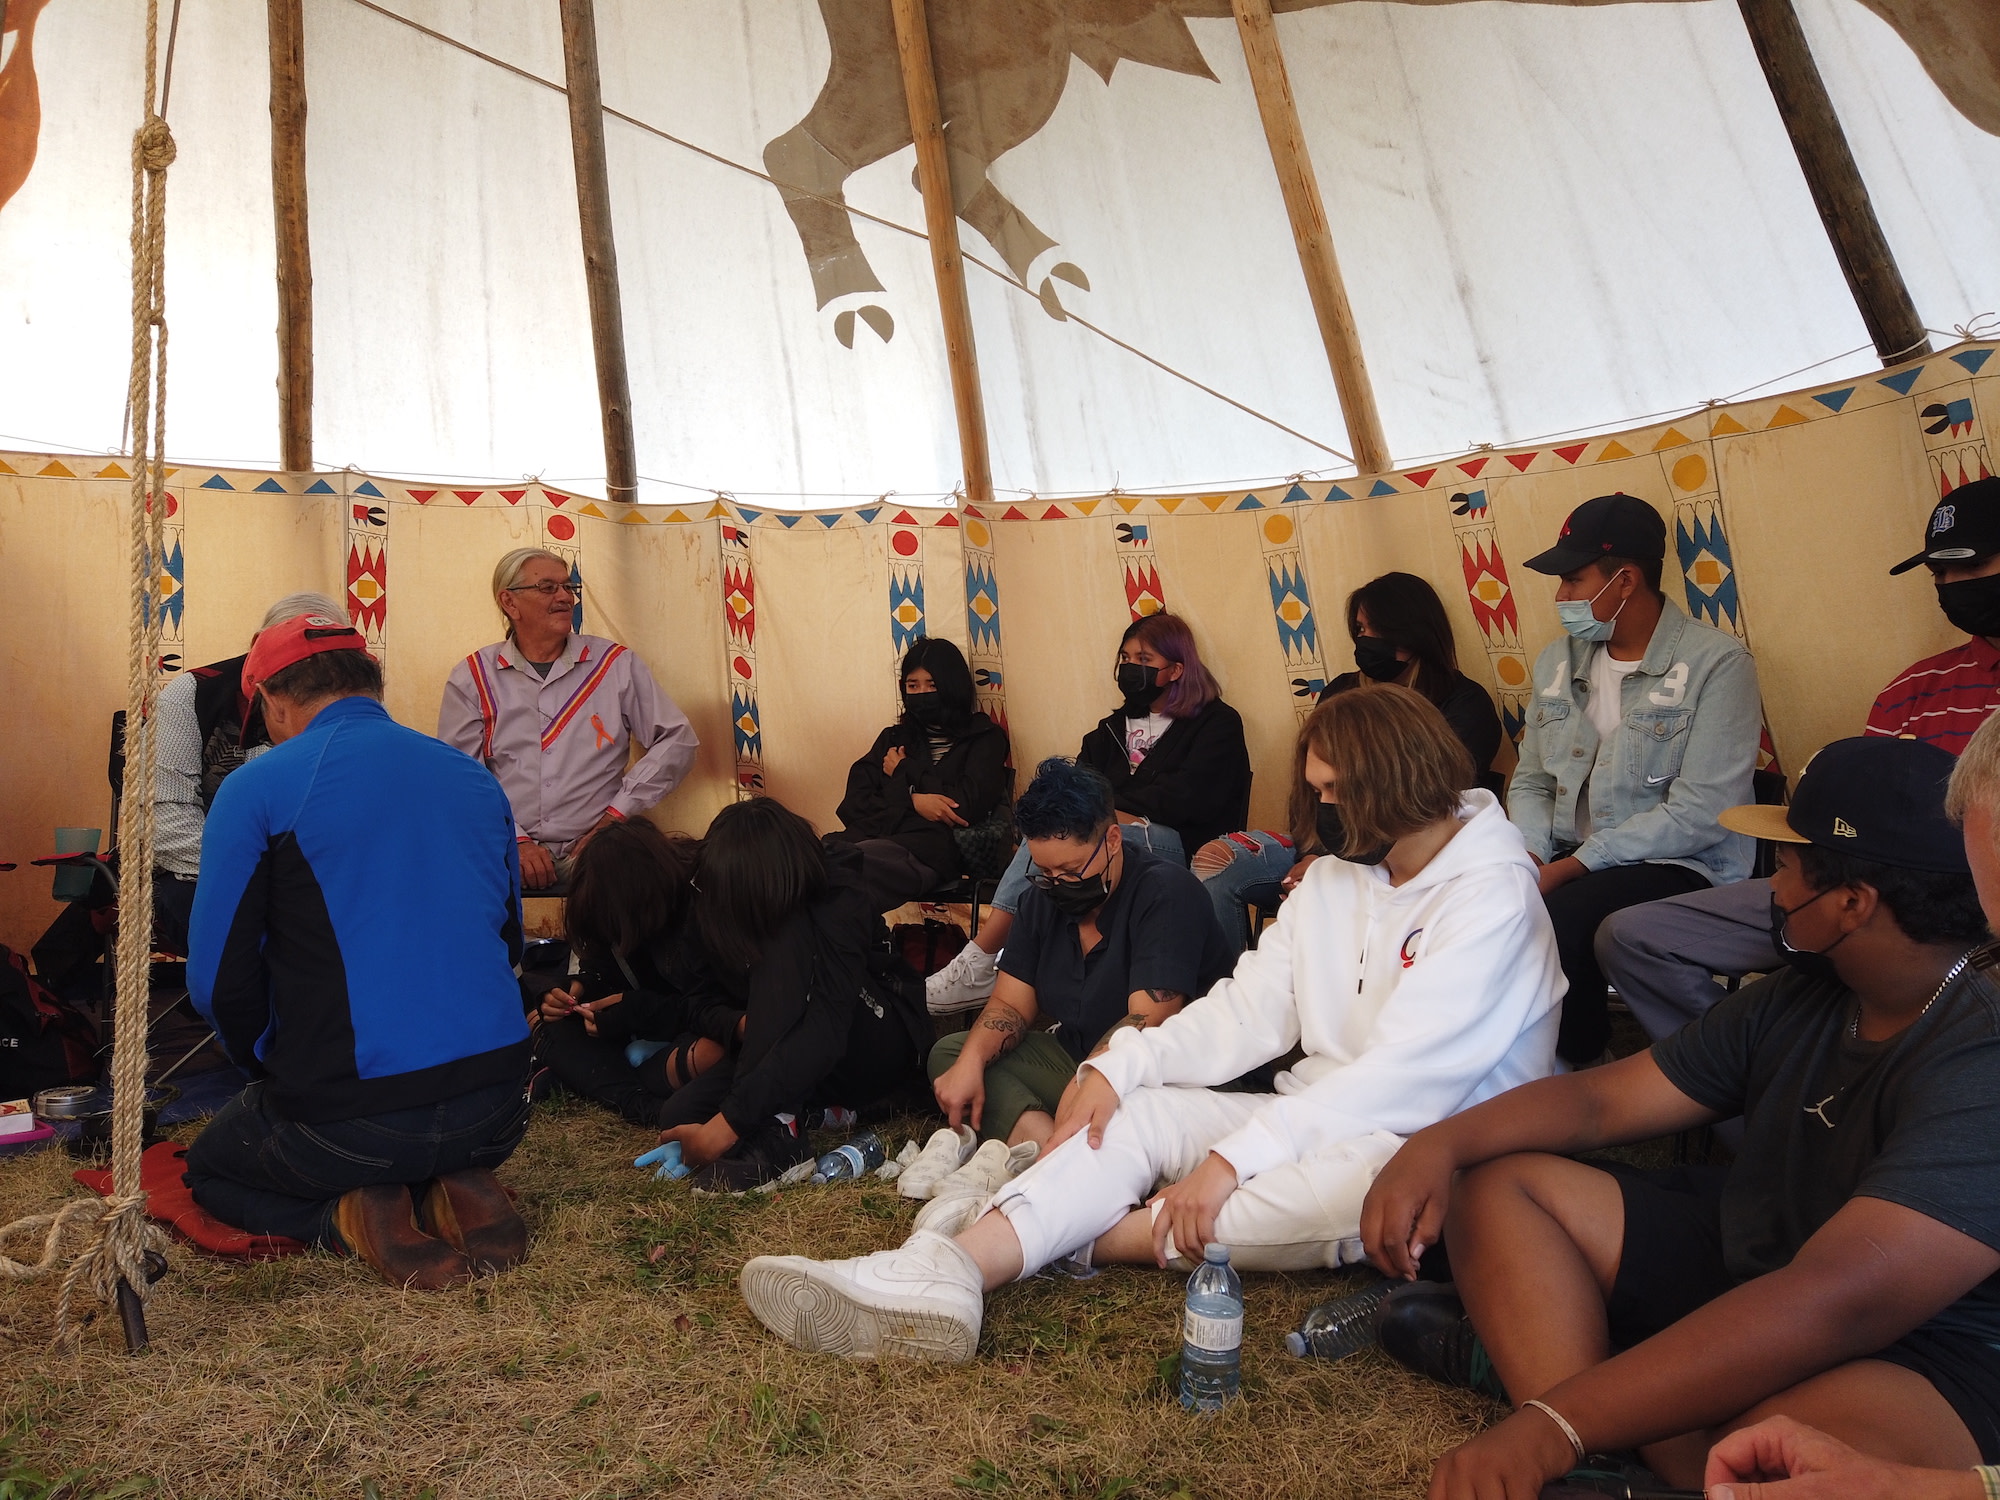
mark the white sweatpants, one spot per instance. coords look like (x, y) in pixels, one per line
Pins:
(1297, 1217)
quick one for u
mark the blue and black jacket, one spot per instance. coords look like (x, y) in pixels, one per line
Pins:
(358, 919)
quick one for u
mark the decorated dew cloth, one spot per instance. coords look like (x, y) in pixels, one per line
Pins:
(1195, 779)
(1411, 1002)
(972, 771)
(1158, 933)
(1685, 750)
(1941, 699)
(358, 920)
(559, 744)
(163, 1175)
(1913, 1120)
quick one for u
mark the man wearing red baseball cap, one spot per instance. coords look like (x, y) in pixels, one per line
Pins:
(353, 943)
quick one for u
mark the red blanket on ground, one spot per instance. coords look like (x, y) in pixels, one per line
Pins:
(163, 1174)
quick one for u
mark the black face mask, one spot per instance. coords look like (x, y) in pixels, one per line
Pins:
(1333, 837)
(1377, 659)
(1140, 686)
(925, 709)
(1972, 604)
(1813, 963)
(1077, 899)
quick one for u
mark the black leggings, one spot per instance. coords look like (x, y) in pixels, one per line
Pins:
(1576, 910)
(597, 1070)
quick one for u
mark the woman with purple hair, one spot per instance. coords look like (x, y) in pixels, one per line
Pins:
(1174, 754)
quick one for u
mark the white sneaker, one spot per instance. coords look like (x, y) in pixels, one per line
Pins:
(952, 1216)
(965, 982)
(923, 1301)
(944, 1153)
(992, 1164)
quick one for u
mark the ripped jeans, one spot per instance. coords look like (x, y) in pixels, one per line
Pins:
(1258, 860)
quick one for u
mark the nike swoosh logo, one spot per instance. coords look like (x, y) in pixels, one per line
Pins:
(1657, 780)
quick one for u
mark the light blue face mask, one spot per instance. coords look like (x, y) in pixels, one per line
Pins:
(1580, 622)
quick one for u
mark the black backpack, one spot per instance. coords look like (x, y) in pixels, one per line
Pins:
(44, 1043)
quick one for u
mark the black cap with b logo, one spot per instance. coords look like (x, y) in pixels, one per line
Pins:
(1965, 525)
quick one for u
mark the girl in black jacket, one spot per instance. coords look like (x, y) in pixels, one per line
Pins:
(790, 936)
(1173, 752)
(942, 765)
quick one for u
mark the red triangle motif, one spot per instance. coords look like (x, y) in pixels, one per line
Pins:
(1471, 470)
(1572, 453)
(1012, 513)
(468, 496)
(1520, 461)
(1420, 477)
(977, 515)
(422, 497)
(556, 497)
(948, 520)
(512, 497)
(903, 518)
(1054, 513)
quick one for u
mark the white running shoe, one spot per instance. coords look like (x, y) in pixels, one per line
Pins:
(944, 1153)
(952, 1216)
(967, 981)
(992, 1164)
(923, 1302)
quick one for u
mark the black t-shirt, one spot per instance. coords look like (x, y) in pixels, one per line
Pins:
(1914, 1120)
(1159, 933)
(1467, 708)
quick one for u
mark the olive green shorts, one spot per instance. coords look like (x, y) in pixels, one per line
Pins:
(1032, 1076)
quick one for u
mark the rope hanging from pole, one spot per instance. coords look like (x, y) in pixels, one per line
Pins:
(115, 1232)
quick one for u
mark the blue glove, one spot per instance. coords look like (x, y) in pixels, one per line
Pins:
(668, 1159)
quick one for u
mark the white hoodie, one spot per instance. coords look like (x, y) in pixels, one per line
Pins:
(1411, 1002)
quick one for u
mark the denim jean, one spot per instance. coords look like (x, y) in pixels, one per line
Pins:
(1155, 838)
(260, 1172)
(1257, 862)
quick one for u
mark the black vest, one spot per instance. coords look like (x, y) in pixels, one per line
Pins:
(218, 714)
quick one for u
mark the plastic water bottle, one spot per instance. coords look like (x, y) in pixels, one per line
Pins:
(1344, 1326)
(1212, 1334)
(861, 1155)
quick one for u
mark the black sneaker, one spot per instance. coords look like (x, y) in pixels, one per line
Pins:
(1422, 1326)
(758, 1158)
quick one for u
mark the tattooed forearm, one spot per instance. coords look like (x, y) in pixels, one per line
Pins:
(1133, 1022)
(1010, 1023)
(1165, 998)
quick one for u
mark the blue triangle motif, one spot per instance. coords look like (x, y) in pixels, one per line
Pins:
(1900, 383)
(749, 516)
(1834, 400)
(1382, 487)
(271, 487)
(829, 522)
(1251, 502)
(868, 516)
(1296, 495)
(1335, 492)
(320, 487)
(1973, 359)
(216, 482)
(367, 487)
(788, 522)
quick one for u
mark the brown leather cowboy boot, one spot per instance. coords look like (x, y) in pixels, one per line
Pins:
(471, 1210)
(379, 1224)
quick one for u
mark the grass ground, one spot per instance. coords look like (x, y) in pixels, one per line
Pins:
(619, 1361)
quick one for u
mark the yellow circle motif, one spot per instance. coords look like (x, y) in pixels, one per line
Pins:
(1511, 670)
(977, 534)
(1278, 530)
(1691, 472)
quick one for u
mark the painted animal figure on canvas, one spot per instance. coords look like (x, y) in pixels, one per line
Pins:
(20, 96)
(1001, 69)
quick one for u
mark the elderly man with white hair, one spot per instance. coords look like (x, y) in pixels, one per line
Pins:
(554, 713)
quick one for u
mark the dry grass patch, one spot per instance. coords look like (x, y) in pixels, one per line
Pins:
(620, 1362)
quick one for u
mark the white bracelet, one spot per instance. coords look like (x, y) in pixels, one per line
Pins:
(1989, 1478)
(1561, 1421)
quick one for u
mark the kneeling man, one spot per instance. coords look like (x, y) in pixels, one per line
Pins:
(1417, 972)
(1842, 1272)
(353, 943)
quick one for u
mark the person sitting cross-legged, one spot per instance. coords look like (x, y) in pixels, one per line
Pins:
(1844, 1271)
(1108, 935)
(1416, 973)
(353, 943)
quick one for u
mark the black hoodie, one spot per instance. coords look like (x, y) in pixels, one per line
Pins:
(973, 773)
(1195, 779)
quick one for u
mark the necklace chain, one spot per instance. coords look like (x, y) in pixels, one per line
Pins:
(1854, 1026)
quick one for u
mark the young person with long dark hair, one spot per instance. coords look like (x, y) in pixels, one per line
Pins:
(792, 937)
(942, 765)
(1401, 634)
(642, 1017)
(1414, 975)
(1179, 771)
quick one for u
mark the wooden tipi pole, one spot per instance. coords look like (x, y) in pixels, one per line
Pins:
(1280, 112)
(1834, 180)
(286, 19)
(913, 47)
(600, 254)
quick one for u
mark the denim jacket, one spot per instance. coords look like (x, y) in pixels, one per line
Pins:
(1684, 752)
